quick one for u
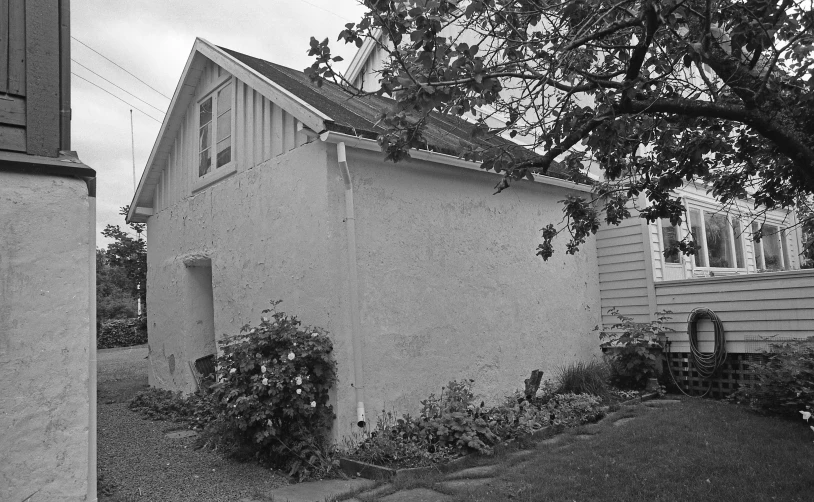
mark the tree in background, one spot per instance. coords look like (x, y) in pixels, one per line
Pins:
(121, 272)
(652, 93)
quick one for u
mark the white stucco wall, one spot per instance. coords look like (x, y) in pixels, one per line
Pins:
(44, 337)
(451, 287)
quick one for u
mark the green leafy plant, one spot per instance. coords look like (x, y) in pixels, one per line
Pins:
(783, 382)
(194, 410)
(583, 378)
(632, 347)
(272, 392)
(570, 410)
(121, 333)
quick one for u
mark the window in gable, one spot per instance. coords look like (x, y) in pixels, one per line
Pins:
(215, 130)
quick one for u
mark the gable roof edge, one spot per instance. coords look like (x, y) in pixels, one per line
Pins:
(305, 113)
(361, 57)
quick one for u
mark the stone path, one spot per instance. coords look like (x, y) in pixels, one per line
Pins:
(457, 482)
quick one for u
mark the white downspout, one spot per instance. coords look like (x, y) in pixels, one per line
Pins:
(92, 496)
(353, 279)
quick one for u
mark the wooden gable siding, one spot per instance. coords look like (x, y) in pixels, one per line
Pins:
(779, 304)
(623, 275)
(262, 130)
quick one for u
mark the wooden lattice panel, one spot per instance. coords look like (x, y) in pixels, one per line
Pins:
(735, 370)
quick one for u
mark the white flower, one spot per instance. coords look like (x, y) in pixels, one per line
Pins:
(262, 369)
(313, 404)
(252, 330)
(314, 334)
(233, 370)
(265, 381)
(270, 422)
(291, 356)
(806, 415)
(299, 380)
(295, 344)
(299, 391)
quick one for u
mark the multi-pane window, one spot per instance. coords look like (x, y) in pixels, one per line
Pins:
(719, 239)
(771, 252)
(215, 130)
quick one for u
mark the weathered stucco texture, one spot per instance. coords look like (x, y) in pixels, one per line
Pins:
(44, 337)
(451, 287)
(268, 234)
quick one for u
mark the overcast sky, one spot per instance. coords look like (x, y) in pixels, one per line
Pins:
(152, 39)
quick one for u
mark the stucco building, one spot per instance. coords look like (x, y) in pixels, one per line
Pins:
(262, 186)
(47, 276)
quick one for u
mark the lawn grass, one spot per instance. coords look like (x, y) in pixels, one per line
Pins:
(696, 450)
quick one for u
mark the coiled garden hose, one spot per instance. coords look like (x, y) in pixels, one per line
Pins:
(707, 364)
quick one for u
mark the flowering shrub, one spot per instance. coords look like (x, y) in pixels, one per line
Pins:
(632, 345)
(272, 390)
(784, 382)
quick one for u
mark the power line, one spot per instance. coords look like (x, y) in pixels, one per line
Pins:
(117, 64)
(326, 10)
(120, 99)
(114, 85)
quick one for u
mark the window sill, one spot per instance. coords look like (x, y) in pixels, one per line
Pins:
(214, 177)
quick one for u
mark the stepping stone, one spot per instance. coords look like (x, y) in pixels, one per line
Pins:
(415, 495)
(521, 454)
(623, 421)
(378, 491)
(662, 402)
(584, 437)
(180, 434)
(463, 484)
(318, 490)
(481, 471)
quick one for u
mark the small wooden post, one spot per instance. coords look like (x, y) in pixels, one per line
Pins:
(533, 383)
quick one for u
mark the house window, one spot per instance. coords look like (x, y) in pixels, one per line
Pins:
(719, 239)
(769, 252)
(215, 130)
(669, 236)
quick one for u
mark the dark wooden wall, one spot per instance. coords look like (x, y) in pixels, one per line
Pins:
(30, 52)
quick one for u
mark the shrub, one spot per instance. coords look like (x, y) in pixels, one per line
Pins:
(583, 378)
(632, 345)
(272, 391)
(784, 382)
(121, 333)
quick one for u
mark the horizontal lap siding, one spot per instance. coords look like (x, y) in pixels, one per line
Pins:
(777, 305)
(262, 130)
(622, 272)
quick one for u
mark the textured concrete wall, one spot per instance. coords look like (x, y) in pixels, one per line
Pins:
(269, 235)
(451, 287)
(44, 330)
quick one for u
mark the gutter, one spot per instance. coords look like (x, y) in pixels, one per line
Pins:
(353, 279)
(440, 158)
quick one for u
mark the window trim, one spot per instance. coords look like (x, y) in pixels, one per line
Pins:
(781, 242)
(733, 242)
(216, 173)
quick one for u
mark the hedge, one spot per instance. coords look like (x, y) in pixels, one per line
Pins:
(121, 333)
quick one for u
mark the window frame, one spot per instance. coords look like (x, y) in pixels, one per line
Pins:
(704, 209)
(216, 173)
(782, 244)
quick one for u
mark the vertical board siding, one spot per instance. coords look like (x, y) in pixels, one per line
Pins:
(751, 307)
(622, 281)
(16, 47)
(4, 30)
(262, 130)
